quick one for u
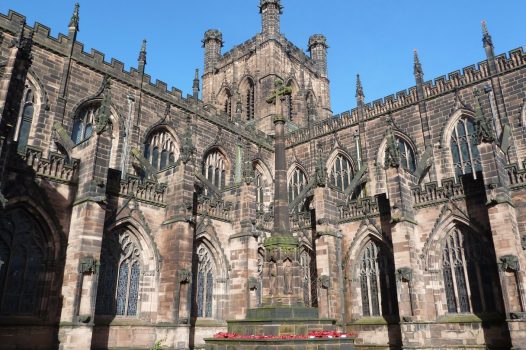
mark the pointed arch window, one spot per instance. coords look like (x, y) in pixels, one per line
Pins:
(466, 157)
(297, 181)
(84, 123)
(341, 172)
(308, 278)
(259, 291)
(468, 275)
(25, 120)
(377, 285)
(22, 263)
(251, 97)
(214, 168)
(120, 273)
(205, 282)
(407, 155)
(161, 149)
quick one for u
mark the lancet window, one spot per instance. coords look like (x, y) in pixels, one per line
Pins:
(84, 123)
(120, 273)
(161, 149)
(250, 100)
(205, 282)
(297, 181)
(466, 157)
(228, 104)
(260, 191)
(25, 119)
(341, 172)
(22, 263)
(214, 168)
(468, 276)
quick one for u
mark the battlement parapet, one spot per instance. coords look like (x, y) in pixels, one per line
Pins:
(148, 192)
(55, 167)
(359, 209)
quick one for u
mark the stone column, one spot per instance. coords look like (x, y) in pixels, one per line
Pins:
(506, 240)
(79, 288)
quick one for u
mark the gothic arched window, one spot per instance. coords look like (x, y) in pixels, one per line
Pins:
(259, 291)
(22, 263)
(468, 275)
(161, 149)
(228, 103)
(308, 279)
(205, 282)
(297, 181)
(24, 121)
(341, 172)
(466, 157)
(84, 123)
(377, 286)
(120, 273)
(251, 97)
(214, 168)
(407, 156)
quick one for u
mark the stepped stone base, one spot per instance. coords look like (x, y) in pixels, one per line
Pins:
(278, 321)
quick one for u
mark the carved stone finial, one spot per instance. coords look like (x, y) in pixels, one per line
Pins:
(486, 37)
(417, 66)
(142, 53)
(74, 22)
(321, 169)
(359, 88)
(195, 86)
(187, 148)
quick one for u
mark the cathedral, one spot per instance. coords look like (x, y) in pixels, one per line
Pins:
(133, 217)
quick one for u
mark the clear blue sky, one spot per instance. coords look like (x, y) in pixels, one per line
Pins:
(375, 38)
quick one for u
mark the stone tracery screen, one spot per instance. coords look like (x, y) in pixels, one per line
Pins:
(205, 282)
(161, 149)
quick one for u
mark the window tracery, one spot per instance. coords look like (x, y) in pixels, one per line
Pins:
(205, 282)
(214, 168)
(25, 119)
(250, 100)
(161, 149)
(341, 172)
(466, 157)
(120, 273)
(407, 156)
(297, 181)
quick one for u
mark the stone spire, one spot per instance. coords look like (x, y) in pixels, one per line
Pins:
(195, 86)
(419, 75)
(488, 47)
(360, 97)
(270, 16)
(142, 57)
(74, 22)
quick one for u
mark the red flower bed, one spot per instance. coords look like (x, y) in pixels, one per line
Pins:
(311, 335)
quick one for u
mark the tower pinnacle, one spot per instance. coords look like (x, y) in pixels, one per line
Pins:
(270, 16)
(74, 22)
(359, 88)
(417, 66)
(142, 56)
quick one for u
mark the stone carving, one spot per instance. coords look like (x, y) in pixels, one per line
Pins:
(248, 172)
(484, 127)
(253, 283)
(405, 274)
(102, 119)
(287, 277)
(523, 242)
(88, 264)
(392, 152)
(278, 95)
(320, 170)
(509, 263)
(184, 276)
(325, 281)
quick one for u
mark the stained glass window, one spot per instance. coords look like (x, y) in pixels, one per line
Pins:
(377, 285)
(205, 282)
(161, 149)
(468, 275)
(23, 257)
(466, 157)
(341, 172)
(214, 168)
(297, 181)
(407, 156)
(120, 272)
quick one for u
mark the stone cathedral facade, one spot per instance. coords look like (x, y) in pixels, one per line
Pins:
(131, 214)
